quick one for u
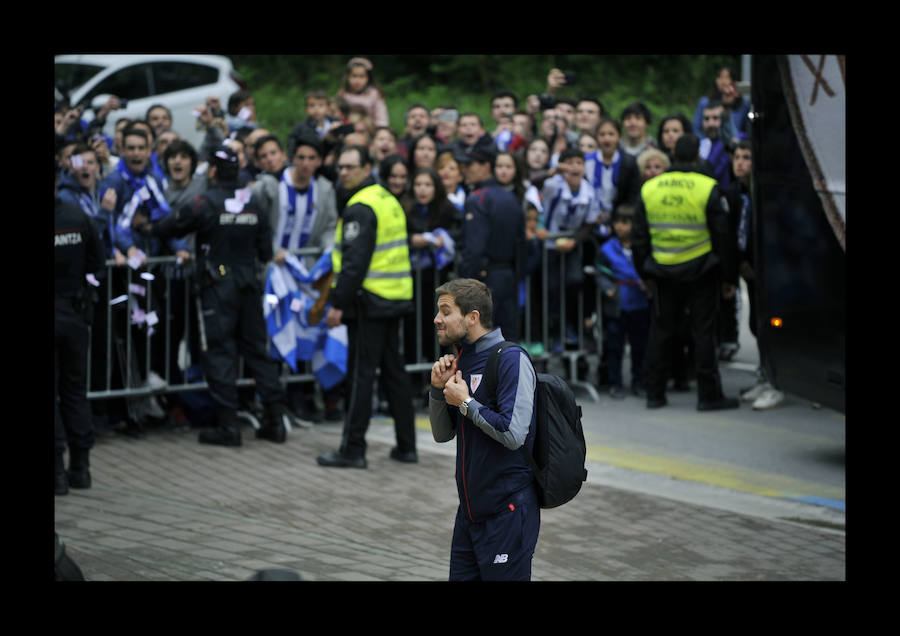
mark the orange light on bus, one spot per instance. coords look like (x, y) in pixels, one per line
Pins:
(777, 322)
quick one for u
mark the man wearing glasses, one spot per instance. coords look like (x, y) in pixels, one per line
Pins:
(371, 292)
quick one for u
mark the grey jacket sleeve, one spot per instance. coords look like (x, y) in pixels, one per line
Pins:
(509, 426)
(442, 426)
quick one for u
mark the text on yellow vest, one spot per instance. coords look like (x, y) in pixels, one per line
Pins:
(676, 213)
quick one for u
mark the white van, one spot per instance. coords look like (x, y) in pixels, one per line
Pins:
(178, 82)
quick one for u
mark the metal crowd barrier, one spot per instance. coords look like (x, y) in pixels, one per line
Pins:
(423, 360)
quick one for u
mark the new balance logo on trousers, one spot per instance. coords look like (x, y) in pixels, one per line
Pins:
(501, 558)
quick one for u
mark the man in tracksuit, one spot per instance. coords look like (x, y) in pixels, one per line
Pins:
(498, 518)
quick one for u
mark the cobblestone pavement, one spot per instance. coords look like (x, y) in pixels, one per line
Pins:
(165, 508)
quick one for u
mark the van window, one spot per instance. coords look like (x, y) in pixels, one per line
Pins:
(68, 76)
(131, 82)
(176, 76)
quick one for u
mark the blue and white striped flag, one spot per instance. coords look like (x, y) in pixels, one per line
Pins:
(289, 296)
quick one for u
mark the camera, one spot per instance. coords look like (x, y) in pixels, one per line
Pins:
(547, 101)
(570, 78)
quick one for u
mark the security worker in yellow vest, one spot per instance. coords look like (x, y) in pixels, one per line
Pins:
(372, 291)
(681, 249)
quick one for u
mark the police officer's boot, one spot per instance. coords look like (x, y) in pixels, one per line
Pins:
(227, 431)
(62, 481)
(79, 473)
(276, 424)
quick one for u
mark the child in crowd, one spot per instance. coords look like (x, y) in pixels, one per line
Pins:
(626, 309)
(317, 115)
(359, 89)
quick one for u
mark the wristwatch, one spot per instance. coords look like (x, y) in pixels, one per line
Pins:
(464, 406)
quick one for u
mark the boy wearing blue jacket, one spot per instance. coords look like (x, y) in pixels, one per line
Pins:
(498, 518)
(626, 309)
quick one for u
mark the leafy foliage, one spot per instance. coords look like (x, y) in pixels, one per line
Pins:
(665, 83)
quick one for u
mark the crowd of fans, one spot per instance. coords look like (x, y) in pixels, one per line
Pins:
(576, 169)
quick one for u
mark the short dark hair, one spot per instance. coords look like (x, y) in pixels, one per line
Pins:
(235, 99)
(154, 107)
(181, 146)
(687, 149)
(316, 94)
(364, 159)
(470, 295)
(264, 140)
(595, 101)
(470, 113)
(624, 212)
(639, 109)
(412, 107)
(505, 93)
(132, 129)
(304, 138)
(570, 153)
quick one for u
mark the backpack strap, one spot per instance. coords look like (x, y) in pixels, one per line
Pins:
(490, 382)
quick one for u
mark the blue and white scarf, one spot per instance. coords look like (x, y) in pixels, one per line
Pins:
(289, 296)
(145, 188)
(297, 214)
(458, 198)
(431, 256)
(605, 179)
(567, 211)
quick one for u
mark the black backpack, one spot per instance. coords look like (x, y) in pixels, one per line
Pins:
(559, 450)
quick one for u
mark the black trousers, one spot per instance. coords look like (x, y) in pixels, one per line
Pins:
(505, 298)
(234, 323)
(701, 297)
(374, 343)
(73, 411)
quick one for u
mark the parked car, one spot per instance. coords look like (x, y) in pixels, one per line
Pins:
(178, 82)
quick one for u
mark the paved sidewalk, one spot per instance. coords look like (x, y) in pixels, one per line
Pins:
(165, 508)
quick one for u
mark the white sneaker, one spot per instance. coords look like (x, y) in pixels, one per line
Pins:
(156, 383)
(769, 399)
(750, 395)
(153, 409)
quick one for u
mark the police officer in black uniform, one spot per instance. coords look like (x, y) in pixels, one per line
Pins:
(493, 238)
(233, 239)
(77, 251)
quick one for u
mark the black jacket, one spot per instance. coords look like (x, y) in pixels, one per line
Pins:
(233, 235)
(493, 231)
(77, 249)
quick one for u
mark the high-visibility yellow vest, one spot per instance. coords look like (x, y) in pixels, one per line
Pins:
(676, 213)
(389, 274)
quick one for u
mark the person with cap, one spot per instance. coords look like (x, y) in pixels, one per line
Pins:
(77, 252)
(371, 292)
(493, 237)
(233, 239)
(682, 251)
(445, 121)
